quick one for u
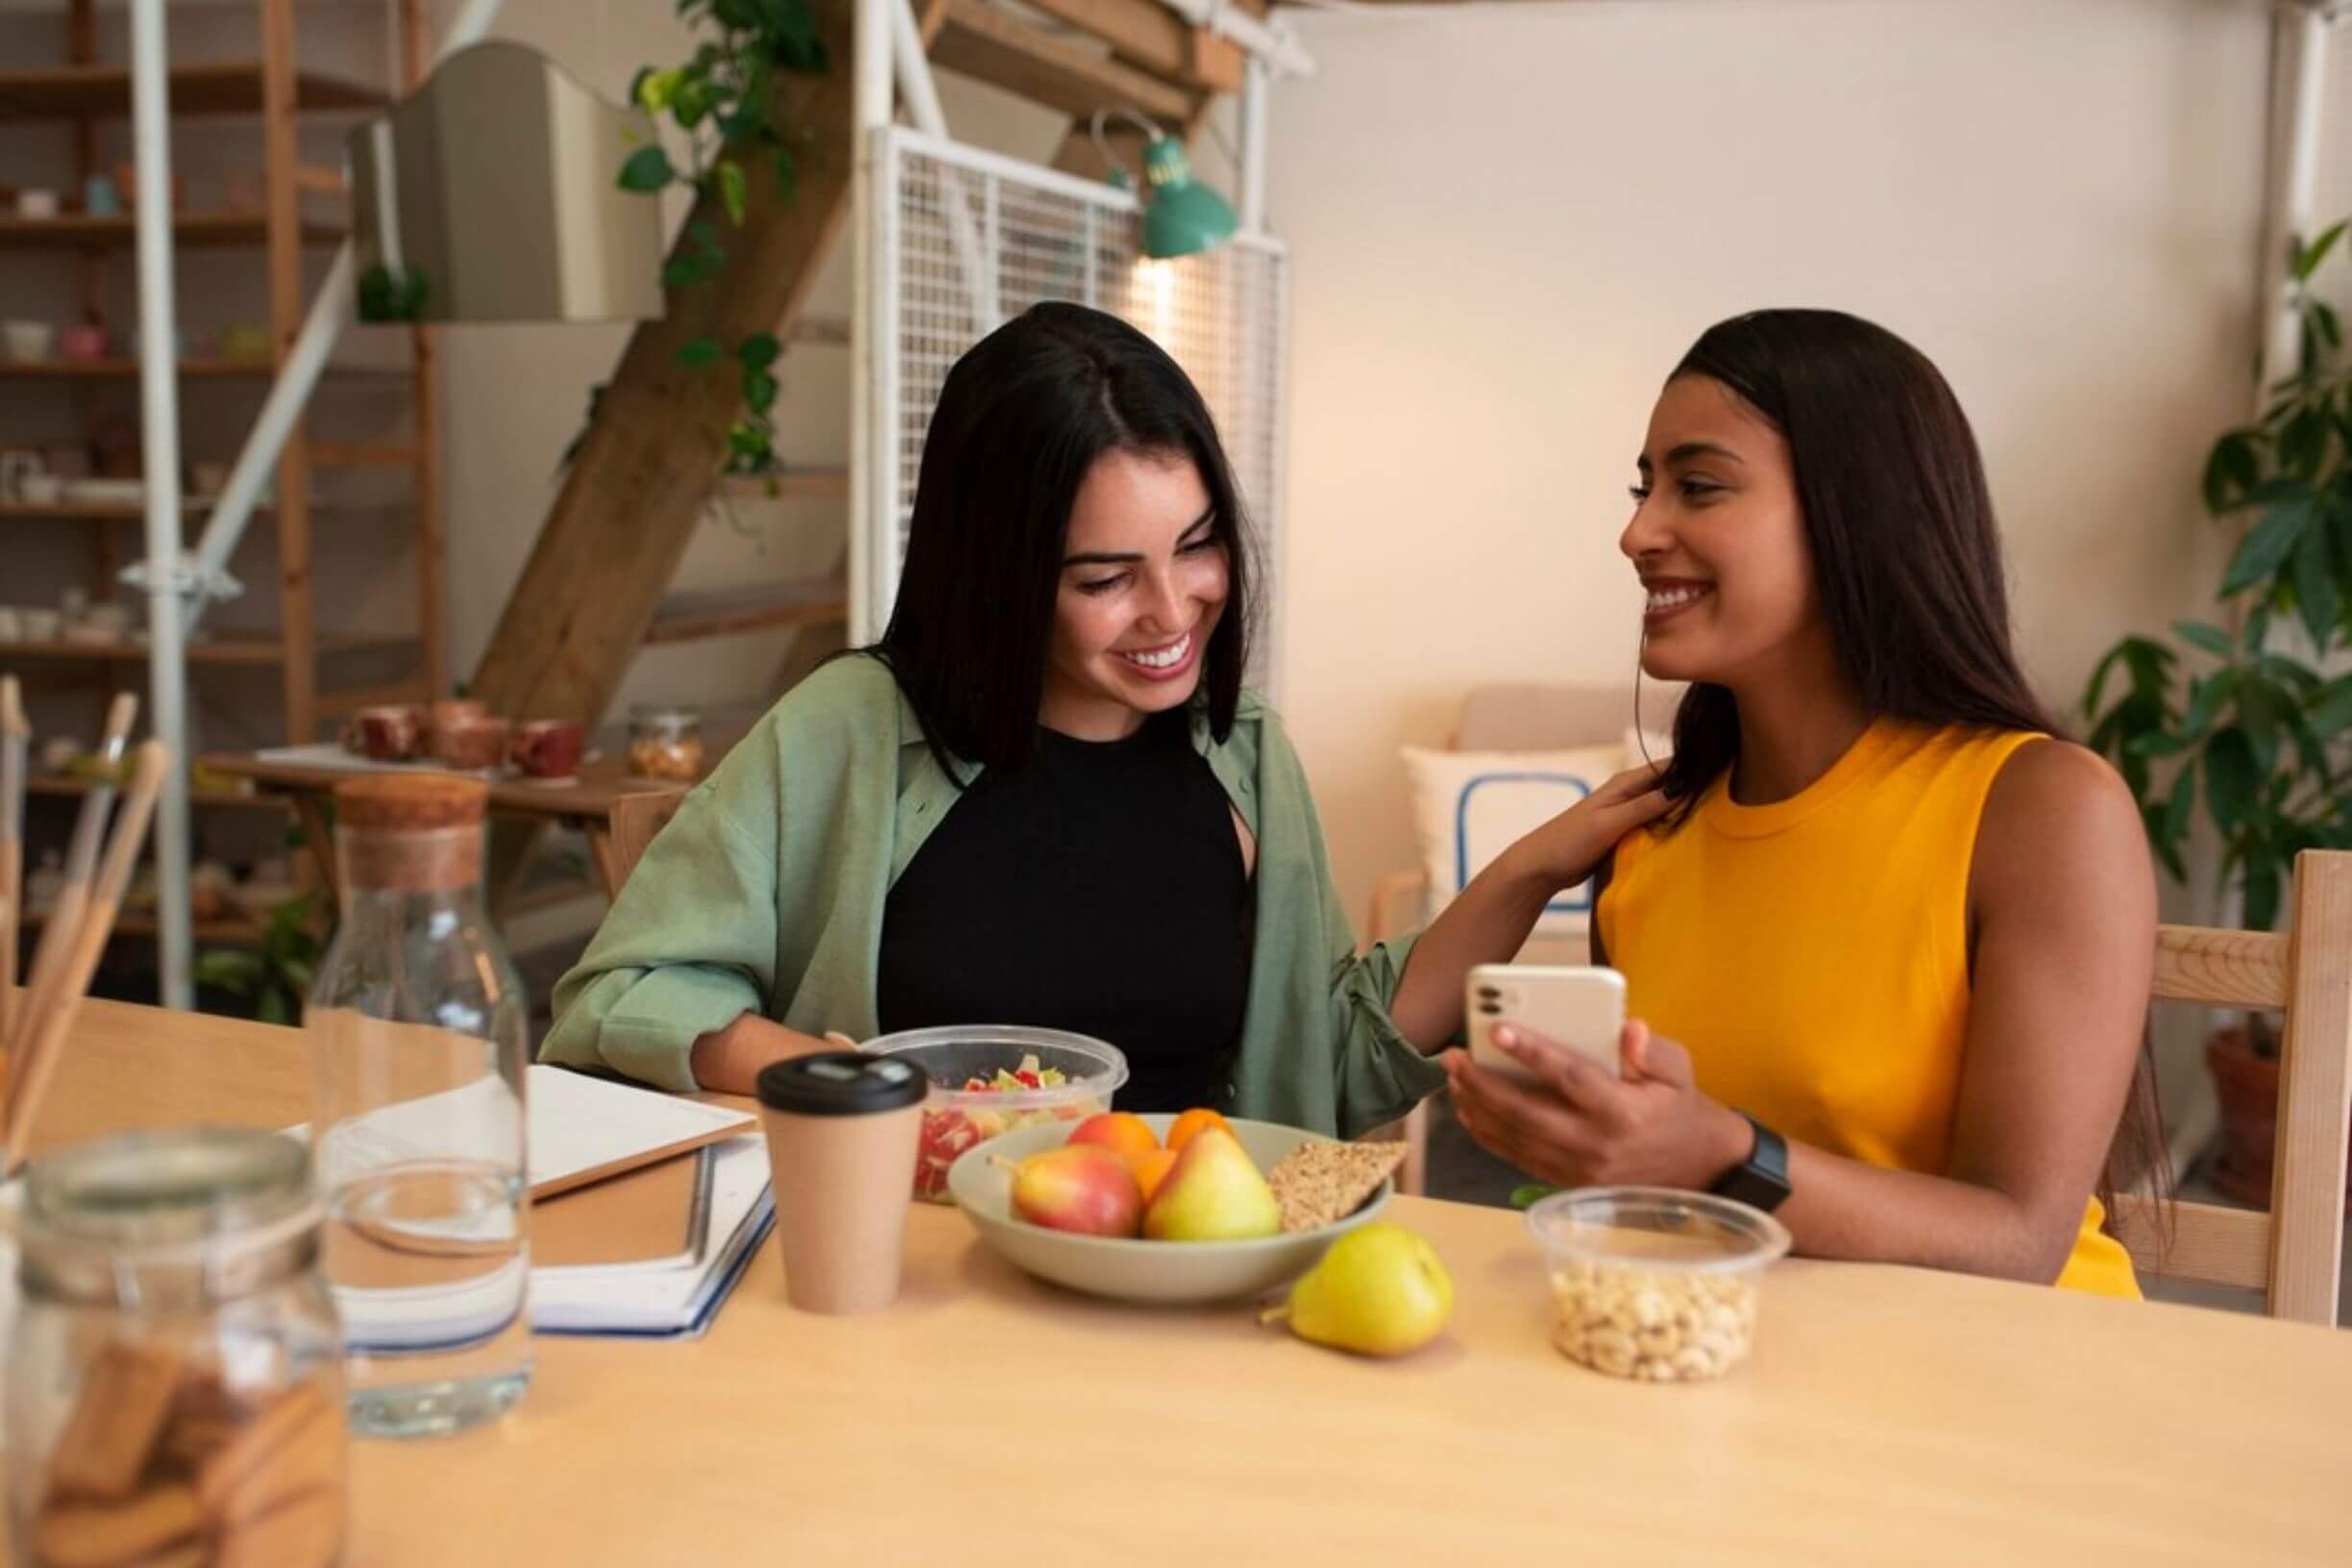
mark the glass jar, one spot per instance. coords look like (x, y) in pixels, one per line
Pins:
(418, 1029)
(175, 1384)
(665, 742)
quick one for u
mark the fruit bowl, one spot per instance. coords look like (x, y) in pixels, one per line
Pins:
(957, 1118)
(1156, 1273)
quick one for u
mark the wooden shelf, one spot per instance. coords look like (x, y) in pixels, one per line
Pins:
(725, 612)
(85, 512)
(980, 40)
(65, 784)
(193, 370)
(204, 651)
(141, 922)
(217, 87)
(80, 231)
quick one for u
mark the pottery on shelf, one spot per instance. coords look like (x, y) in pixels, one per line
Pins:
(82, 344)
(27, 342)
(36, 204)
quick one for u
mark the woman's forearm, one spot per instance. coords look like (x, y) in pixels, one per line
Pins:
(1487, 923)
(1840, 1208)
(728, 1059)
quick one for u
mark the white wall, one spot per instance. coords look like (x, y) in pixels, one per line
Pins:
(1509, 222)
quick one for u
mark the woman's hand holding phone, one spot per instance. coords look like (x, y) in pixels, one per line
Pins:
(1575, 1125)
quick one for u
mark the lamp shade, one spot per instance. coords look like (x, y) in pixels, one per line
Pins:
(1182, 216)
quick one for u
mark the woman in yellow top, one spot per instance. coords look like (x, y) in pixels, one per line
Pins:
(1890, 952)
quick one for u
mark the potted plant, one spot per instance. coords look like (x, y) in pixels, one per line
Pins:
(2249, 727)
(276, 979)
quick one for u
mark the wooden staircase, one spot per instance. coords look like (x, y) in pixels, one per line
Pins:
(595, 588)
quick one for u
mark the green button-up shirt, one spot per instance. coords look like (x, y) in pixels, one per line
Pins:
(767, 890)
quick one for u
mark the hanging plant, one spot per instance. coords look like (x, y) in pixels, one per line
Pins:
(725, 101)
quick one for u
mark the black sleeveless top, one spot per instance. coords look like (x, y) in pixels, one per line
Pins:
(1098, 889)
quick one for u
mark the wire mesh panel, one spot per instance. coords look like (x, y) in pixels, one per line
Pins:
(963, 240)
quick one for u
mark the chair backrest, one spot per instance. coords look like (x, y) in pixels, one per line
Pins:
(2293, 1253)
(635, 820)
(1550, 718)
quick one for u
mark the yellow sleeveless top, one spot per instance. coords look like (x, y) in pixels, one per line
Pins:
(1812, 954)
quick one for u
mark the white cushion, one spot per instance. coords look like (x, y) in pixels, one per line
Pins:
(1470, 807)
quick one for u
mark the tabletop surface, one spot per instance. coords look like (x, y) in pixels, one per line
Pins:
(1888, 1415)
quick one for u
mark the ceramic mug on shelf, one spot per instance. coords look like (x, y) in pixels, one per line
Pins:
(100, 198)
(36, 204)
(82, 344)
(27, 342)
(41, 489)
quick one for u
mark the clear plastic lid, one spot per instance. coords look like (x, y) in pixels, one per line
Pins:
(1655, 1228)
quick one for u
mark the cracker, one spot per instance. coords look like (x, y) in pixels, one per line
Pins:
(1320, 1184)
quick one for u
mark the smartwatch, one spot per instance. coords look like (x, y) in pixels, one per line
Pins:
(1761, 1179)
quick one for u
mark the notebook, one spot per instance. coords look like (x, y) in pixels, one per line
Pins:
(665, 1299)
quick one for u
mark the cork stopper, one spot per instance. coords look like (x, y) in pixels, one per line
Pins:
(410, 802)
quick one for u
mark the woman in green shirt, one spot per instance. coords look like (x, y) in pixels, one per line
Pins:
(1044, 796)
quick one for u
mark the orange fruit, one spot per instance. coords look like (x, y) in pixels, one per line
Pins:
(1123, 1132)
(1181, 1131)
(1150, 1167)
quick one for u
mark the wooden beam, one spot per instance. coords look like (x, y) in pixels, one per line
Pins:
(1148, 36)
(644, 471)
(2225, 969)
(726, 612)
(994, 45)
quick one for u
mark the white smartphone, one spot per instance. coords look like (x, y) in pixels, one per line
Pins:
(1582, 1009)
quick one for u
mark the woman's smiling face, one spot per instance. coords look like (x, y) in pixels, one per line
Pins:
(1143, 579)
(1718, 538)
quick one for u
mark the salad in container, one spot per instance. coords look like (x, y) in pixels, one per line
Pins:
(988, 1079)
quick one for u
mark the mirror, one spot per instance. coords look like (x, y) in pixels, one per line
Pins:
(492, 194)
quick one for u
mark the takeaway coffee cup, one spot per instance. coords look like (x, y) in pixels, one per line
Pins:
(842, 1130)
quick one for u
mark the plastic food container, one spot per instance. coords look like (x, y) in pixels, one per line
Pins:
(957, 1117)
(1652, 1283)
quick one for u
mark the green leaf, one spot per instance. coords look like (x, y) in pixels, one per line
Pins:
(2303, 443)
(732, 194)
(2261, 713)
(2230, 472)
(2331, 326)
(2315, 585)
(648, 169)
(1529, 1194)
(2156, 742)
(230, 969)
(759, 351)
(759, 390)
(2307, 261)
(787, 173)
(2179, 805)
(2261, 891)
(2257, 628)
(2265, 550)
(655, 90)
(2205, 699)
(276, 1007)
(705, 233)
(700, 353)
(2205, 635)
(2331, 713)
(2231, 781)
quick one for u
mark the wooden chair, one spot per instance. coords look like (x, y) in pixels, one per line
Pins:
(2294, 1253)
(635, 820)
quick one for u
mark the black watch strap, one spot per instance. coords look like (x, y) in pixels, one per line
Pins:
(1761, 1179)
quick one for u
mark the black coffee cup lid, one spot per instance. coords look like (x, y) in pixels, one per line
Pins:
(842, 1084)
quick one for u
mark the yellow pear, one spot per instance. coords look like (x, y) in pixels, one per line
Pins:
(1212, 1193)
(1380, 1290)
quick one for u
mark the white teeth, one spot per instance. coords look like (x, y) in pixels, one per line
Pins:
(1667, 598)
(1166, 659)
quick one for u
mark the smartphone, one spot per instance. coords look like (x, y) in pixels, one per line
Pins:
(1581, 1009)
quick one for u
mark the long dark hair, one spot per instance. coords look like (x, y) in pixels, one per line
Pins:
(1022, 418)
(1907, 559)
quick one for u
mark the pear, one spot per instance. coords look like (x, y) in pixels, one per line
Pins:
(1380, 1290)
(1213, 1192)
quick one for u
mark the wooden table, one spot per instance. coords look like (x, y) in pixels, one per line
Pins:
(1889, 1416)
(585, 804)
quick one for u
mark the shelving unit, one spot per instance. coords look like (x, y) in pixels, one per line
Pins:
(298, 209)
(274, 89)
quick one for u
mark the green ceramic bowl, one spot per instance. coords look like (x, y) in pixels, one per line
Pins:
(1158, 1273)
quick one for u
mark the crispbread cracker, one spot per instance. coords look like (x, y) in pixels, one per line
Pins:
(1319, 1183)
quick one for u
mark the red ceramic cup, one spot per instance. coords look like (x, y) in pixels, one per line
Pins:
(549, 747)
